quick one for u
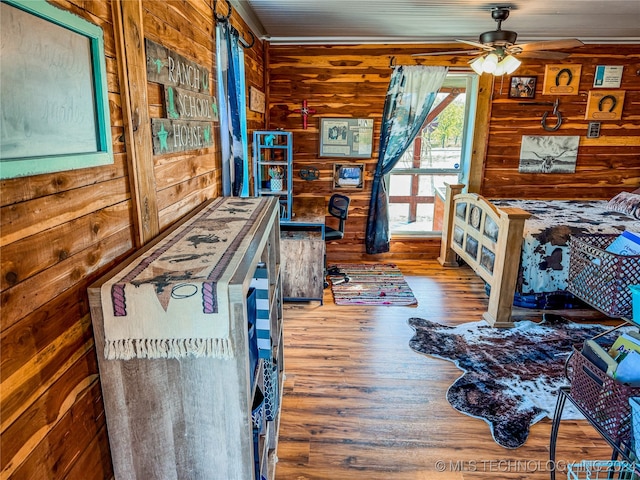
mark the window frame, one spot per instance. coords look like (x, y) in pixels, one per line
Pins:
(12, 167)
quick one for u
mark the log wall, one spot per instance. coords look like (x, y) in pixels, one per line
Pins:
(351, 81)
(61, 231)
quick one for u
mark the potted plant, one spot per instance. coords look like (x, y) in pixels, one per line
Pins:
(277, 175)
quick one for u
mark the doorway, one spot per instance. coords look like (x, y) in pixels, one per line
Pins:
(439, 154)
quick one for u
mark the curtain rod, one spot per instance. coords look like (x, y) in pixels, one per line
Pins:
(392, 64)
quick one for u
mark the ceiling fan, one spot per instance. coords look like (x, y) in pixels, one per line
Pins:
(497, 49)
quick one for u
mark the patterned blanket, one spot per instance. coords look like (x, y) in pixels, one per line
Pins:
(172, 301)
(545, 248)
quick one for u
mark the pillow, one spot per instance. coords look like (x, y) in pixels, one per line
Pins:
(627, 203)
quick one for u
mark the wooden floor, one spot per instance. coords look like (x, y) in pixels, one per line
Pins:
(360, 404)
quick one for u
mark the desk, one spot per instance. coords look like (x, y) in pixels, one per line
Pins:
(302, 250)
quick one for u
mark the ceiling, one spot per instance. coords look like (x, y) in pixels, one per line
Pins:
(428, 21)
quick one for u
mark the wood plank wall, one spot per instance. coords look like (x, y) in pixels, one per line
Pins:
(61, 231)
(605, 165)
(351, 81)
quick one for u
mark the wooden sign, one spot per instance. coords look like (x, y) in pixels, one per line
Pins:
(170, 68)
(170, 136)
(561, 79)
(605, 105)
(256, 100)
(188, 105)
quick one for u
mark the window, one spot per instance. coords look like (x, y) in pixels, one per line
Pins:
(438, 155)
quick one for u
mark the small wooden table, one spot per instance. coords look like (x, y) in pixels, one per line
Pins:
(302, 250)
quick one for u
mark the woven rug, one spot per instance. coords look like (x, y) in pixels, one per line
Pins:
(511, 376)
(372, 284)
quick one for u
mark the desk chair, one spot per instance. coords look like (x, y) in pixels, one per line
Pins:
(339, 208)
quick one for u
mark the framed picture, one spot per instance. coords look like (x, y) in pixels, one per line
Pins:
(346, 137)
(548, 154)
(256, 100)
(348, 176)
(522, 87)
(561, 79)
(605, 105)
(54, 118)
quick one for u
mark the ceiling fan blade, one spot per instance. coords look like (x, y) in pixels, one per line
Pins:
(457, 52)
(551, 44)
(476, 44)
(543, 54)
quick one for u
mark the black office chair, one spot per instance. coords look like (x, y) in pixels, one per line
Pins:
(339, 208)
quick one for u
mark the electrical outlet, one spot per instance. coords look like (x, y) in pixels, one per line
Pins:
(594, 130)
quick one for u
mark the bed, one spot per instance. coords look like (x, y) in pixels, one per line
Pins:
(489, 235)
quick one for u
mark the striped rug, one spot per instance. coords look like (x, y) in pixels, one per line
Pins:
(372, 284)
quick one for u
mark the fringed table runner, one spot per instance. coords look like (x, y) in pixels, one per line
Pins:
(173, 300)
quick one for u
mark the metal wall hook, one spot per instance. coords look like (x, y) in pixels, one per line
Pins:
(545, 115)
(554, 127)
(555, 112)
(225, 19)
(222, 18)
(246, 44)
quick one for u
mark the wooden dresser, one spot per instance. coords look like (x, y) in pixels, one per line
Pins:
(190, 417)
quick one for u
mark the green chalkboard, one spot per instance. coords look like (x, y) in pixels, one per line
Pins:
(54, 109)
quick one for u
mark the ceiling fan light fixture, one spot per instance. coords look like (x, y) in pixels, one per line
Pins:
(499, 71)
(510, 64)
(490, 63)
(476, 65)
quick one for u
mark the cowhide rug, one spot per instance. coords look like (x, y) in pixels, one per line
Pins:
(511, 376)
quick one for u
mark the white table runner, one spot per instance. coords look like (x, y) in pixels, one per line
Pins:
(173, 300)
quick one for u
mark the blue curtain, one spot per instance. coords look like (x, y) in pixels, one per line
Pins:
(232, 108)
(411, 93)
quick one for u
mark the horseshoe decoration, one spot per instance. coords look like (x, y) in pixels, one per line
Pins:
(222, 18)
(562, 72)
(225, 19)
(611, 99)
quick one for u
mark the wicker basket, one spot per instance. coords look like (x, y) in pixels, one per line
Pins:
(601, 278)
(603, 398)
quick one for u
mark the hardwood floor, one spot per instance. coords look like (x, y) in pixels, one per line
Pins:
(360, 404)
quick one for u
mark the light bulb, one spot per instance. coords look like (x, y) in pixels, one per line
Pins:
(476, 65)
(490, 63)
(499, 71)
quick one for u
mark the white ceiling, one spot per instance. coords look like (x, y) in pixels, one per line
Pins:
(428, 21)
